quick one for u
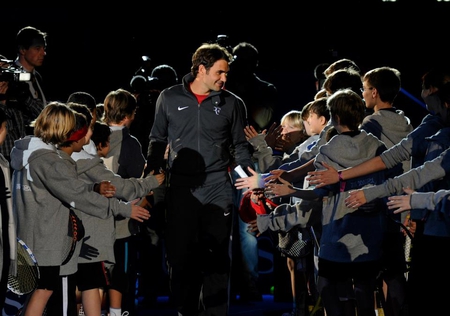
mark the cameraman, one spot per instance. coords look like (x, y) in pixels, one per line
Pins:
(24, 101)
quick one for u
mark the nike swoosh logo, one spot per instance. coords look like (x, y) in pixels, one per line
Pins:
(226, 214)
(182, 108)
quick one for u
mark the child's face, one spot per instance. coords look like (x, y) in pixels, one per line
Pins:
(129, 119)
(78, 145)
(102, 151)
(288, 127)
(307, 128)
(316, 123)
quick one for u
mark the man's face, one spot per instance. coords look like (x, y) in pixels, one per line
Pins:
(34, 55)
(214, 79)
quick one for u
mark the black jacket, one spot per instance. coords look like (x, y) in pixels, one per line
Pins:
(201, 137)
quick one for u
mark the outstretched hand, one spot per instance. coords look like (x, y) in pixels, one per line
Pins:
(137, 212)
(106, 189)
(273, 135)
(274, 175)
(355, 199)
(251, 132)
(279, 189)
(251, 182)
(325, 177)
(400, 203)
(289, 141)
(159, 177)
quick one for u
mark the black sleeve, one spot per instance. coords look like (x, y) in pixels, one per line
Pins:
(155, 158)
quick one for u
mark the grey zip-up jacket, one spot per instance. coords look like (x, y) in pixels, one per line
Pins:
(101, 232)
(45, 187)
(209, 129)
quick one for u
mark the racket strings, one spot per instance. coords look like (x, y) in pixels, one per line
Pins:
(25, 281)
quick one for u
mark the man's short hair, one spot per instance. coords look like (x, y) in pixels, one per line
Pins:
(30, 36)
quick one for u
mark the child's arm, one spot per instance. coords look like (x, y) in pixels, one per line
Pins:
(286, 189)
(105, 188)
(419, 200)
(400, 203)
(137, 212)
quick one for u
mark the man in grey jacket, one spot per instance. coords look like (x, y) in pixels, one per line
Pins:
(200, 122)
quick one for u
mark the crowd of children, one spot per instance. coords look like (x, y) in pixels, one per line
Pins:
(334, 181)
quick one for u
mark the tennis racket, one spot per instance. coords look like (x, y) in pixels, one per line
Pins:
(26, 278)
(75, 234)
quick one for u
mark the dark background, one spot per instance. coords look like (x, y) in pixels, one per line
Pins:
(98, 49)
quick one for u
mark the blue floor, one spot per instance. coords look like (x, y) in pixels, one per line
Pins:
(267, 307)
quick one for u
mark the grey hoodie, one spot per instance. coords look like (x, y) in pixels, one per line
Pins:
(390, 126)
(101, 232)
(45, 187)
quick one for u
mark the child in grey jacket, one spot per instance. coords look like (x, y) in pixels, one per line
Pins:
(350, 244)
(100, 233)
(45, 188)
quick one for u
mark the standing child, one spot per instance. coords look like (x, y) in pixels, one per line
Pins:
(350, 244)
(390, 125)
(100, 233)
(46, 187)
(124, 158)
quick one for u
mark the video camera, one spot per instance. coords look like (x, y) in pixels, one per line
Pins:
(12, 73)
(17, 79)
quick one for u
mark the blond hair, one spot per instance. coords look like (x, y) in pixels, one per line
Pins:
(55, 123)
(293, 118)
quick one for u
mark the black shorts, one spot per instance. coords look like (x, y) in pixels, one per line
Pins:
(91, 276)
(120, 272)
(49, 278)
(341, 271)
